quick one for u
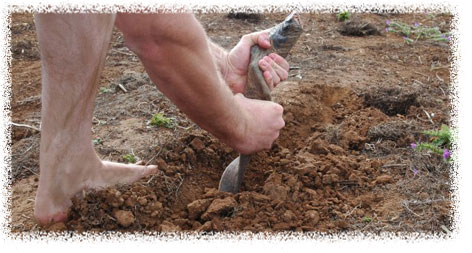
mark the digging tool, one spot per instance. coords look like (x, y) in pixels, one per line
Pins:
(282, 37)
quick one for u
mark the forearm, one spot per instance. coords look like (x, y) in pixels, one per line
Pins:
(221, 58)
(179, 61)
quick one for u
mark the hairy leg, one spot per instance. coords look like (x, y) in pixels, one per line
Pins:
(73, 49)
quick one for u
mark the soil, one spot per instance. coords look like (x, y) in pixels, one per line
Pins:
(352, 105)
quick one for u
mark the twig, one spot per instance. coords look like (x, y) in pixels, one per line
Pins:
(440, 79)
(350, 212)
(30, 170)
(122, 87)
(444, 93)
(153, 157)
(125, 53)
(416, 81)
(429, 117)
(405, 204)
(24, 125)
(445, 229)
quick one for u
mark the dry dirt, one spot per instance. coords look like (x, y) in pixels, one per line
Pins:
(353, 105)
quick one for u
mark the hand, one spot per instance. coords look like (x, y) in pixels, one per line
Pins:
(274, 67)
(261, 126)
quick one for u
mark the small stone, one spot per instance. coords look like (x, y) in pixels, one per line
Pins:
(312, 193)
(313, 216)
(197, 207)
(319, 147)
(131, 201)
(284, 161)
(342, 224)
(190, 154)
(156, 206)
(383, 179)
(197, 144)
(167, 226)
(142, 201)
(124, 218)
(288, 216)
(161, 164)
(327, 179)
(154, 213)
(206, 226)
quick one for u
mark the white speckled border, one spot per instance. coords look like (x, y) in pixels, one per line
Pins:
(224, 242)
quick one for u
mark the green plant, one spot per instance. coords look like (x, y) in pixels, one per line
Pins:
(367, 219)
(439, 142)
(160, 120)
(97, 141)
(415, 32)
(106, 90)
(343, 16)
(130, 158)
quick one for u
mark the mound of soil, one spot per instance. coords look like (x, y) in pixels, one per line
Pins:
(342, 163)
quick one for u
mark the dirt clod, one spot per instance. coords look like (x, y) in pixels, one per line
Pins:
(383, 179)
(219, 207)
(124, 218)
(197, 207)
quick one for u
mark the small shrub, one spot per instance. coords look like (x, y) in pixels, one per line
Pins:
(97, 141)
(439, 142)
(130, 158)
(415, 32)
(160, 120)
(343, 16)
(106, 90)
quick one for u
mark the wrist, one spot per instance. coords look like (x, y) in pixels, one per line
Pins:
(222, 61)
(237, 137)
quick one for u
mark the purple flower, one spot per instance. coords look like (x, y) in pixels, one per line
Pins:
(415, 171)
(417, 24)
(446, 154)
(448, 38)
(386, 30)
(387, 22)
(413, 145)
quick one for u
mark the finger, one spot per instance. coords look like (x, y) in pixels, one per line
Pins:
(280, 61)
(281, 73)
(268, 79)
(273, 69)
(258, 38)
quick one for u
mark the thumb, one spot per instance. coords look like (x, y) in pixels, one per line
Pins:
(258, 38)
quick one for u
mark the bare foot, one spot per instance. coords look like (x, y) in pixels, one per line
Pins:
(53, 198)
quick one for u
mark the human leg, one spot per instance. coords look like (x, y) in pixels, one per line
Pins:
(73, 49)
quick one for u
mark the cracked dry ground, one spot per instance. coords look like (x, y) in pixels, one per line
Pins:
(343, 162)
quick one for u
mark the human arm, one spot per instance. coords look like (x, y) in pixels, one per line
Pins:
(175, 53)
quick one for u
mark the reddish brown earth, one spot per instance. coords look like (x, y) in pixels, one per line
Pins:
(343, 162)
